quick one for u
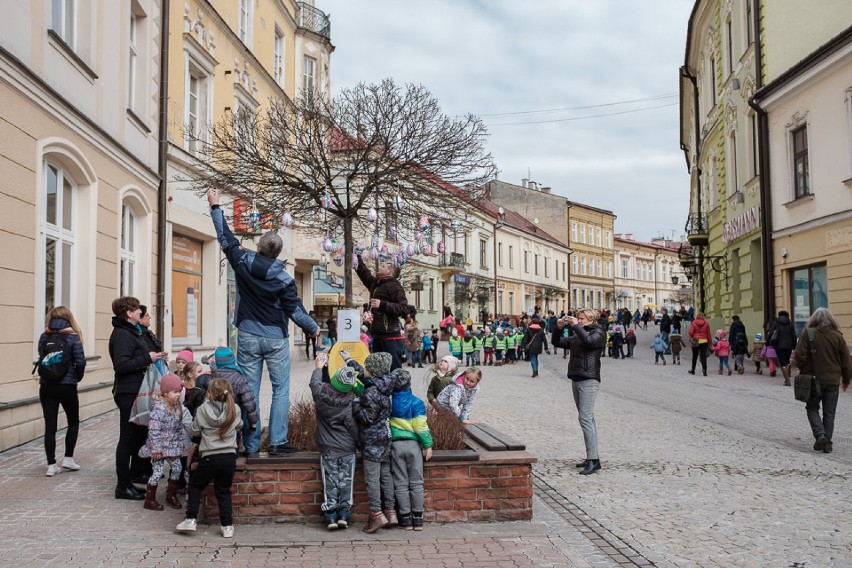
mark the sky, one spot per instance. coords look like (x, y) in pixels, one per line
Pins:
(506, 60)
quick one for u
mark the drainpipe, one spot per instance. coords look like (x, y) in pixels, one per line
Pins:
(162, 170)
(765, 185)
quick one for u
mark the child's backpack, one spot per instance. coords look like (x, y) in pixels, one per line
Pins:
(54, 358)
(741, 343)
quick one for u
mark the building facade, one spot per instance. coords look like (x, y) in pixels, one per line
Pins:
(649, 275)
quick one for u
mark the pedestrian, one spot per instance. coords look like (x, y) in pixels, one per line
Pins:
(637, 317)
(455, 344)
(439, 377)
(499, 346)
(194, 394)
(722, 350)
(372, 413)
(676, 344)
(511, 347)
(226, 368)
(757, 352)
(823, 353)
(782, 336)
(215, 426)
(468, 348)
(477, 347)
(331, 326)
(519, 337)
(425, 347)
(61, 365)
(458, 398)
(659, 346)
(337, 439)
(533, 343)
(267, 299)
(412, 443)
(413, 343)
(618, 342)
(311, 341)
(130, 360)
(625, 319)
(167, 441)
(387, 304)
(434, 352)
(699, 340)
(630, 341)
(646, 315)
(666, 328)
(587, 344)
(151, 340)
(739, 343)
(771, 358)
(488, 343)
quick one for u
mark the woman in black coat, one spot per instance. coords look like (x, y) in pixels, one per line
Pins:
(130, 359)
(784, 342)
(584, 369)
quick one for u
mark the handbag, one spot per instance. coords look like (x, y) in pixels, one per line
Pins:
(804, 385)
(141, 410)
(773, 338)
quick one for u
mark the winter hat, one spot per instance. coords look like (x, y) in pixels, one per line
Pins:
(378, 364)
(630, 331)
(346, 380)
(758, 337)
(467, 335)
(170, 383)
(721, 333)
(401, 380)
(225, 358)
(186, 356)
(454, 332)
(452, 363)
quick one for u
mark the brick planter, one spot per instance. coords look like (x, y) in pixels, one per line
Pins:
(487, 486)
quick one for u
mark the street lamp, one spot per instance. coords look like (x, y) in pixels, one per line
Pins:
(674, 280)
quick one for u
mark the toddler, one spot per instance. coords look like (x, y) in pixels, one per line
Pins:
(499, 346)
(757, 352)
(426, 346)
(722, 349)
(488, 343)
(677, 345)
(184, 357)
(659, 346)
(455, 344)
(458, 398)
(630, 341)
(440, 376)
(467, 348)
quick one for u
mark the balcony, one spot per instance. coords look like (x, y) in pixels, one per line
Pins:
(697, 230)
(314, 20)
(452, 262)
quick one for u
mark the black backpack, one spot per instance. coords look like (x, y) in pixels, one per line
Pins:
(54, 358)
(741, 342)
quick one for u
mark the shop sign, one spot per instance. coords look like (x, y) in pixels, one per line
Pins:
(741, 225)
(461, 279)
(840, 239)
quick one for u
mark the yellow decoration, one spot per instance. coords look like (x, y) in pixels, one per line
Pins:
(356, 349)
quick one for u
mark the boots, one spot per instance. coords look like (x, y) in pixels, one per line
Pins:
(390, 515)
(591, 467)
(377, 520)
(151, 499)
(171, 494)
(786, 372)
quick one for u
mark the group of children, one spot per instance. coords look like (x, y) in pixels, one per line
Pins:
(486, 347)
(371, 408)
(722, 348)
(617, 340)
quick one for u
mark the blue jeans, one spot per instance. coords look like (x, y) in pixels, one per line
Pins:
(252, 351)
(533, 361)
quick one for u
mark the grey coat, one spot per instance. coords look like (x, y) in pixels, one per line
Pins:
(337, 432)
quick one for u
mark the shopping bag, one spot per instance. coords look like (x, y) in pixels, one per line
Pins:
(140, 413)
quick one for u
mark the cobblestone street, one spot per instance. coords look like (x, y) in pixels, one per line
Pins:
(697, 471)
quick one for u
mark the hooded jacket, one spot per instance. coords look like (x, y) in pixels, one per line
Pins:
(337, 432)
(786, 333)
(737, 329)
(267, 297)
(408, 416)
(78, 368)
(833, 364)
(243, 395)
(534, 340)
(166, 432)
(586, 345)
(372, 412)
(700, 329)
(206, 424)
(392, 302)
(130, 356)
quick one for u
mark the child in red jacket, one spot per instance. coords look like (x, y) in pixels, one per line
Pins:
(722, 349)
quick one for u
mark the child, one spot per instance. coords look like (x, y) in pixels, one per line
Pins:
(488, 346)
(519, 337)
(610, 348)
(458, 398)
(722, 349)
(477, 346)
(226, 368)
(426, 345)
(337, 439)
(365, 339)
(677, 345)
(167, 441)
(441, 376)
(434, 352)
(739, 349)
(757, 352)
(194, 394)
(499, 347)
(630, 341)
(372, 412)
(511, 347)
(467, 349)
(455, 344)
(215, 428)
(618, 343)
(410, 433)
(184, 357)
(659, 347)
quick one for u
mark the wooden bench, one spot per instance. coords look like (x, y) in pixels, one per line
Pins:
(492, 439)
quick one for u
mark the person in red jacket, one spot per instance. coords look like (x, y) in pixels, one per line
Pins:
(700, 338)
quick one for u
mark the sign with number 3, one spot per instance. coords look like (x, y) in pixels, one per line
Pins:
(348, 325)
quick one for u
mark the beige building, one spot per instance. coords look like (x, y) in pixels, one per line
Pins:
(78, 140)
(649, 275)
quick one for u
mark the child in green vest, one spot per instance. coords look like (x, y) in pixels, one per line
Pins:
(488, 343)
(455, 344)
(467, 349)
(510, 347)
(519, 337)
(499, 347)
(477, 347)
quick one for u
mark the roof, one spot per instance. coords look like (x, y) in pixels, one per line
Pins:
(516, 221)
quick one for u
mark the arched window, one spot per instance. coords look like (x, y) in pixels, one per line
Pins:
(128, 253)
(58, 227)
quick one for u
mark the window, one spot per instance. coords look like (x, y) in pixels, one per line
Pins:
(748, 23)
(733, 179)
(608, 269)
(810, 291)
(483, 253)
(576, 303)
(535, 264)
(309, 70)
(600, 267)
(712, 78)
(574, 232)
(526, 261)
(598, 234)
(625, 270)
(564, 276)
(511, 256)
(63, 21)
(197, 107)
(245, 20)
(752, 151)
(432, 294)
(607, 237)
(801, 183)
(583, 233)
(545, 267)
(500, 254)
(186, 290)
(127, 271)
(583, 265)
(58, 229)
(511, 302)
(500, 303)
(729, 39)
(278, 58)
(556, 269)
(591, 235)
(574, 265)
(135, 63)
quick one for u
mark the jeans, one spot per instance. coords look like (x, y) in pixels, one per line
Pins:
(407, 460)
(534, 361)
(378, 479)
(252, 350)
(131, 437)
(51, 397)
(828, 399)
(630, 350)
(724, 363)
(218, 468)
(664, 335)
(659, 357)
(337, 477)
(395, 347)
(585, 393)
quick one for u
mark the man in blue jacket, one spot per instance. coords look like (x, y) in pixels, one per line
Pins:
(266, 300)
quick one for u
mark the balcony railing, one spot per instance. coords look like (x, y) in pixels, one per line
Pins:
(697, 229)
(453, 260)
(314, 20)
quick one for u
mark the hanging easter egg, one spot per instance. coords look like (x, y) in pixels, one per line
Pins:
(374, 254)
(456, 225)
(384, 255)
(374, 242)
(325, 201)
(287, 220)
(354, 261)
(397, 202)
(323, 261)
(441, 247)
(338, 259)
(372, 215)
(409, 250)
(254, 217)
(425, 248)
(401, 259)
(392, 234)
(424, 224)
(428, 250)
(359, 247)
(336, 246)
(417, 236)
(327, 245)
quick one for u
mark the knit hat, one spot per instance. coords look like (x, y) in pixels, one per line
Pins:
(346, 380)
(401, 380)
(467, 334)
(452, 363)
(225, 358)
(378, 364)
(721, 333)
(454, 332)
(186, 356)
(170, 383)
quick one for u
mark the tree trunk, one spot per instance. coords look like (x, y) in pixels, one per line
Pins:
(347, 261)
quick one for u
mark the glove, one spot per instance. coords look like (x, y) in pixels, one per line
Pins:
(346, 357)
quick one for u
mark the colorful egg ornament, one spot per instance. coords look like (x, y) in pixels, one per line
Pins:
(424, 224)
(441, 247)
(372, 215)
(327, 244)
(287, 220)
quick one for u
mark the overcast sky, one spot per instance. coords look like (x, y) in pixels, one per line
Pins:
(494, 57)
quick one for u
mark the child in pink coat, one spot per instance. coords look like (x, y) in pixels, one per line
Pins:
(722, 349)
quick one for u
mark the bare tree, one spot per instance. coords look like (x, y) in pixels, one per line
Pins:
(326, 163)
(681, 297)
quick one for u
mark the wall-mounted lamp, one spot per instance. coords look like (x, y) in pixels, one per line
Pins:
(674, 280)
(735, 84)
(783, 252)
(740, 197)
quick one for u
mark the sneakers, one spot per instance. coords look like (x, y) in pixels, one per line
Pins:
(406, 521)
(331, 521)
(228, 532)
(417, 521)
(377, 520)
(70, 464)
(53, 469)
(189, 525)
(282, 450)
(343, 518)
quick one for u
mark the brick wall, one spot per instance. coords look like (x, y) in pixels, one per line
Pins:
(498, 487)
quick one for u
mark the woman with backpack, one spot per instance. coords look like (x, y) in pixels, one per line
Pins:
(782, 336)
(61, 366)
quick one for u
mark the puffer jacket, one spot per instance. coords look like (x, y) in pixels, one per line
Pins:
(786, 333)
(700, 329)
(78, 368)
(166, 433)
(586, 345)
(408, 419)
(243, 395)
(130, 356)
(393, 303)
(372, 413)
(337, 432)
(834, 365)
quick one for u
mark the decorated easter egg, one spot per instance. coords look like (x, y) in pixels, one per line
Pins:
(424, 224)
(338, 259)
(323, 261)
(374, 254)
(287, 220)
(425, 248)
(354, 261)
(325, 201)
(392, 234)
(372, 215)
(327, 244)
(374, 242)
(359, 247)
(441, 247)
(456, 224)
(409, 250)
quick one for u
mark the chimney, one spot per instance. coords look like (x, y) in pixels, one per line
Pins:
(525, 182)
(629, 236)
(545, 190)
(533, 185)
